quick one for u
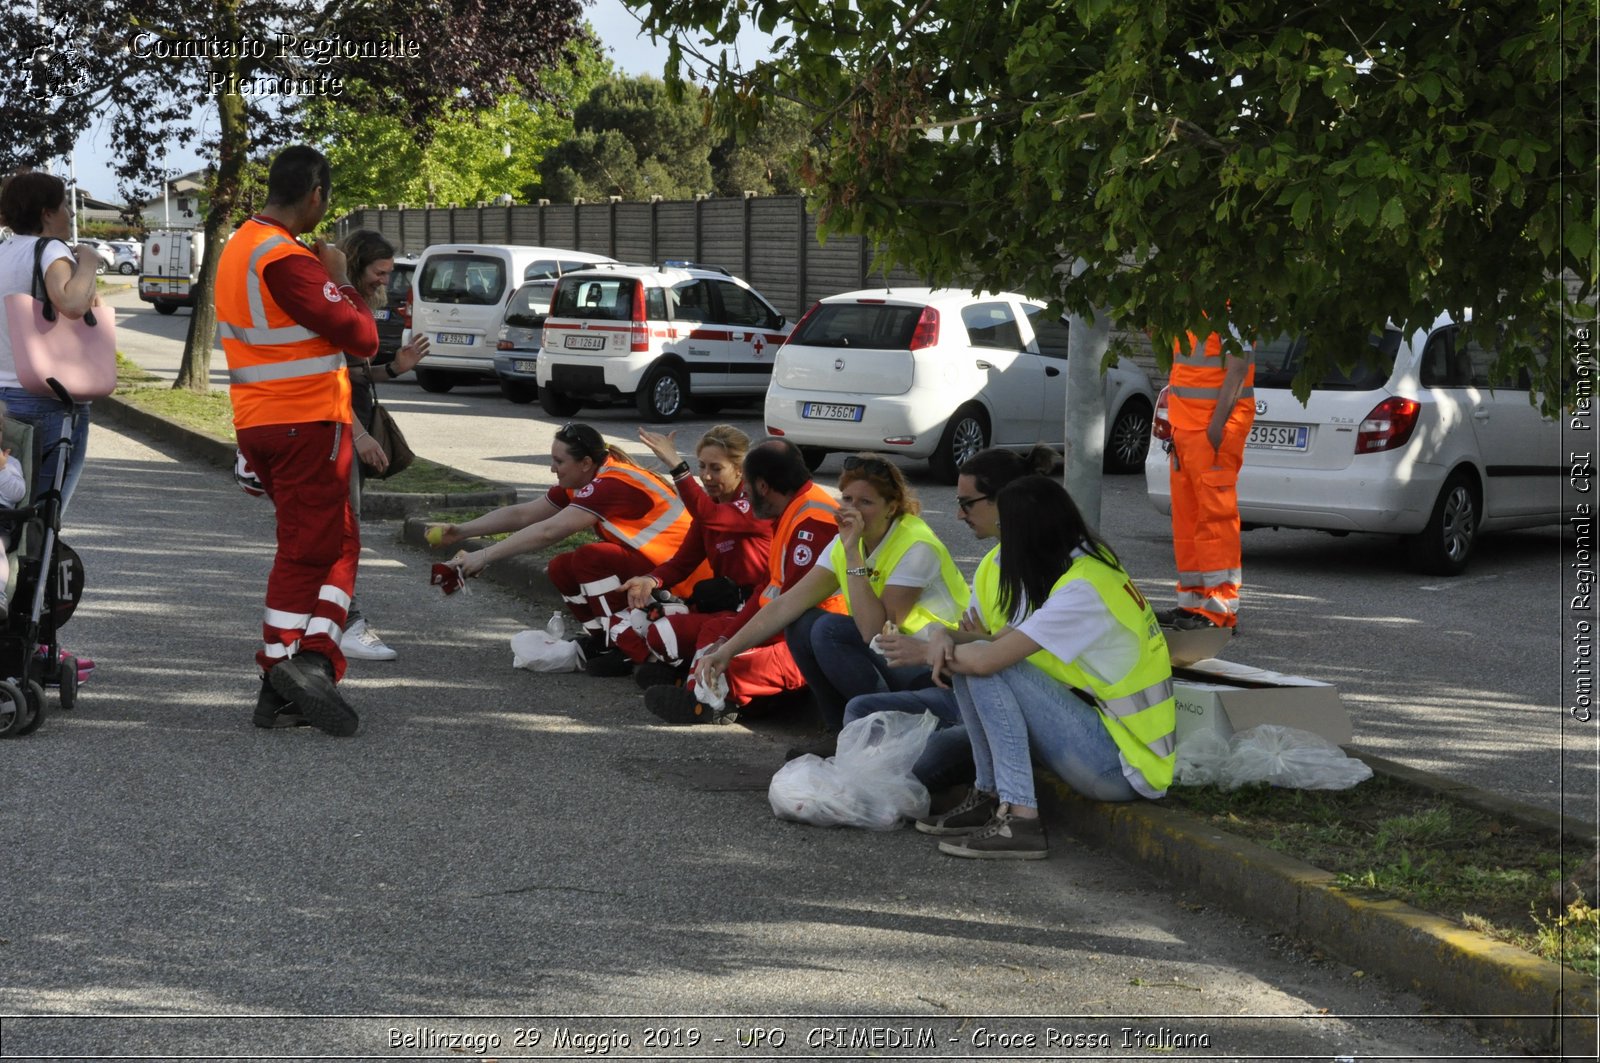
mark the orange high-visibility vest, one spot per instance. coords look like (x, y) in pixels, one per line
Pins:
(812, 503)
(1196, 382)
(659, 532)
(279, 371)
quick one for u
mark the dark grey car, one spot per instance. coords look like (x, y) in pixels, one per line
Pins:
(516, 357)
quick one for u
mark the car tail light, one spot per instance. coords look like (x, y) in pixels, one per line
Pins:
(1388, 426)
(801, 323)
(927, 330)
(1160, 427)
(405, 307)
(641, 323)
(771, 431)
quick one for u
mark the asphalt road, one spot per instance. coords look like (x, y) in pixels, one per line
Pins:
(1458, 676)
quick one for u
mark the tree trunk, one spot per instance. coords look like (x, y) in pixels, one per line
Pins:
(195, 372)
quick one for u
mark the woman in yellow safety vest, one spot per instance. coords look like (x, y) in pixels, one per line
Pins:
(1077, 677)
(889, 567)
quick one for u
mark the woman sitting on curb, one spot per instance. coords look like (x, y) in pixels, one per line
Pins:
(638, 516)
(1080, 681)
(890, 568)
(947, 760)
(724, 534)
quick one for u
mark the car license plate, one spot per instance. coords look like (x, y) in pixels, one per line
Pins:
(525, 365)
(585, 343)
(1278, 436)
(380, 315)
(461, 339)
(831, 411)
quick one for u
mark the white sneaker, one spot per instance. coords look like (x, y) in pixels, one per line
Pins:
(361, 643)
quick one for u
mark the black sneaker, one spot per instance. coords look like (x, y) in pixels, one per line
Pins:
(273, 712)
(677, 705)
(306, 679)
(976, 809)
(611, 664)
(1004, 837)
(825, 746)
(593, 644)
(660, 674)
(1187, 620)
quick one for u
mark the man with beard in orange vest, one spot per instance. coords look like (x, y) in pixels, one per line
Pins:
(288, 315)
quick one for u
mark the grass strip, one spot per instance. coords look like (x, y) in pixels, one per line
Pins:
(1388, 839)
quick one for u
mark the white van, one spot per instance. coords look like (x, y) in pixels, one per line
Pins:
(171, 268)
(459, 301)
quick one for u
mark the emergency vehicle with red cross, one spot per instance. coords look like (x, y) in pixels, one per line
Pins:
(667, 338)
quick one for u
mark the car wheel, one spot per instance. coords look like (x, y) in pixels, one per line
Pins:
(557, 403)
(166, 308)
(519, 391)
(662, 393)
(813, 456)
(706, 407)
(965, 435)
(433, 381)
(1129, 441)
(125, 269)
(1444, 545)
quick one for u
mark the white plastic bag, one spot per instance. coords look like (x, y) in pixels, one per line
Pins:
(867, 783)
(1290, 758)
(546, 651)
(1200, 759)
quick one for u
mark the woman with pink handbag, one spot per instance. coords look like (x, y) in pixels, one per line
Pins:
(34, 206)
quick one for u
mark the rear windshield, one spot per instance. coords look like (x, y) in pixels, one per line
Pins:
(529, 304)
(470, 280)
(550, 268)
(400, 283)
(1277, 362)
(595, 298)
(871, 325)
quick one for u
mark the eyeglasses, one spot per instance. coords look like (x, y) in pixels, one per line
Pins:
(873, 466)
(965, 504)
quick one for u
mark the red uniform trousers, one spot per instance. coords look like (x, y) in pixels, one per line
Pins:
(1205, 517)
(305, 470)
(590, 578)
(672, 639)
(759, 672)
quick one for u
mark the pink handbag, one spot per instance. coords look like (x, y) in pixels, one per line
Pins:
(46, 345)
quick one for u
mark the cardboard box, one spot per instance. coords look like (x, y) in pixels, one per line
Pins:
(1187, 647)
(1224, 697)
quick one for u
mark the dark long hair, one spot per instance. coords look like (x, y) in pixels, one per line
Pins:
(993, 468)
(1040, 527)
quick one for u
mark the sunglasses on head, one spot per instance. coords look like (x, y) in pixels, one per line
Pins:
(873, 466)
(573, 435)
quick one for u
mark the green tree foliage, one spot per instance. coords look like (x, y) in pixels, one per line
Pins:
(233, 75)
(634, 138)
(1317, 167)
(765, 158)
(469, 154)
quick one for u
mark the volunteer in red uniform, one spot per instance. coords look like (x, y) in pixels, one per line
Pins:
(1211, 405)
(780, 488)
(638, 516)
(725, 533)
(288, 315)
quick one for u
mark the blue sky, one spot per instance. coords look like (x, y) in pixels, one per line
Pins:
(614, 24)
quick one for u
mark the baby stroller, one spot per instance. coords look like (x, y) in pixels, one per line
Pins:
(47, 578)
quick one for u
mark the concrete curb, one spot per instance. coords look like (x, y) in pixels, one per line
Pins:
(1460, 969)
(376, 504)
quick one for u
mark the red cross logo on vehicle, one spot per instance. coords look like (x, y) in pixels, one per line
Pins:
(759, 346)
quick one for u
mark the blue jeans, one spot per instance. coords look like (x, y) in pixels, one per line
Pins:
(947, 758)
(852, 667)
(46, 415)
(1020, 714)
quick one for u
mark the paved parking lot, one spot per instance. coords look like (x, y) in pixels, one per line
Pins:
(1459, 676)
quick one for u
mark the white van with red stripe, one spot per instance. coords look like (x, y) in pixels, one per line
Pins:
(666, 338)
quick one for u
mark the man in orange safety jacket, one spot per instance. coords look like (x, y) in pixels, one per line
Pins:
(288, 315)
(1211, 406)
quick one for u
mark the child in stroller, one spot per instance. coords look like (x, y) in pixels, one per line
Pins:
(48, 581)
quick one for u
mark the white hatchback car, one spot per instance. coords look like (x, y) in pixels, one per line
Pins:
(940, 373)
(669, 337)
(1425, 445)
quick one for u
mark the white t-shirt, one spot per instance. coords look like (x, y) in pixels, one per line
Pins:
(16, 275)
(918, 567)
